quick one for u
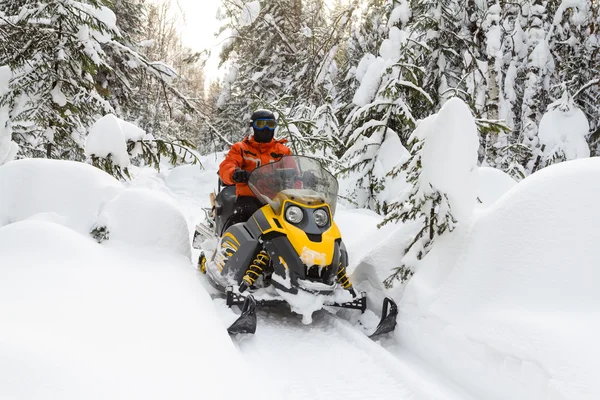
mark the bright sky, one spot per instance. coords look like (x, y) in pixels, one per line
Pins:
(200, 26)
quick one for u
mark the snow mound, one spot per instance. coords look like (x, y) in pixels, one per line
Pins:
(143, 217)
(74, 191)
(90, 322)
(492, 184)
(508, 307)
(109, 136)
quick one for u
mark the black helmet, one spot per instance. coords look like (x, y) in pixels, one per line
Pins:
(263, 124)
(261, 114)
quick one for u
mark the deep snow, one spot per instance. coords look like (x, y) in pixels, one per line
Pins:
(508, 307)
(503, 308)
(87, 321)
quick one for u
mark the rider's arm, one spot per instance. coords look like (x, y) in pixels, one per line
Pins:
(232, 161)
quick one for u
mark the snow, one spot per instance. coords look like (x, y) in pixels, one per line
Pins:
(103, 14)
(142, 217)
(391, 47)
(563, 129)
(106, 322)
(108, 137)
(8, 148)
(504, 307)
(385, 154)
(401, 13)
(310, 257)
(132, 133)
(370, 82)
(449, 157)
(58, 96)
(306, 32)
(372, 251)
(164, 71)
(391, 154)
(493, 183)
(507, 306)
(249, 13)
(541, 57)
(364, 65)
(73, 190)
(329, 359)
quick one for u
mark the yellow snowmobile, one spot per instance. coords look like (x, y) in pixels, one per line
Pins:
(289, 251)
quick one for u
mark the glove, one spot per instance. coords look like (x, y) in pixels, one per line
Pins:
(309, 178)
(240, 176)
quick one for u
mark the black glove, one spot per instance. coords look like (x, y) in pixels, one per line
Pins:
(309, 178)
(240, 176)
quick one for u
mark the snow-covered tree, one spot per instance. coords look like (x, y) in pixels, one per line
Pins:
(8, 148)
(114, 144)
(71, 65)
(52, 96)
(535, 48)
(368, 29)
(169, 108)
(282, 56)
(562, 132)
(381, 108)
(577, 51)
(442, 173)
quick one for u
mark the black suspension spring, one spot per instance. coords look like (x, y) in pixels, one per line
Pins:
(261, 261)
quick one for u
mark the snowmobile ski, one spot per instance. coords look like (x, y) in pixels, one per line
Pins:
(389, 313)
(246, 323)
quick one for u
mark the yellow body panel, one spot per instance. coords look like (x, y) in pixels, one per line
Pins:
(321, 252)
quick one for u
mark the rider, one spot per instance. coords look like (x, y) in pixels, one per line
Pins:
(254, 150)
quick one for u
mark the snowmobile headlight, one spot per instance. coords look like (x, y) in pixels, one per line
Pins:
(294, 214)
(321, 217)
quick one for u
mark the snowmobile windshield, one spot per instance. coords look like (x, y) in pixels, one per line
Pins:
(298, 178)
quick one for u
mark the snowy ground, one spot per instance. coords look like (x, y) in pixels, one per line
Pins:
(354, 366)
(485, 317)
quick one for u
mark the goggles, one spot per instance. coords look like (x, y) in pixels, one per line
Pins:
(264, 123)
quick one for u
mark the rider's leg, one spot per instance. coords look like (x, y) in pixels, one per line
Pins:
(244, 207)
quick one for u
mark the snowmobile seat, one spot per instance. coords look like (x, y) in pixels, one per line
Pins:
(224, 205)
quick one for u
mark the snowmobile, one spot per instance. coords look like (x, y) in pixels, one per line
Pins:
(289, 251)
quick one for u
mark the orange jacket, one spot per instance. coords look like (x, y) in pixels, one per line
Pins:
(248, 155)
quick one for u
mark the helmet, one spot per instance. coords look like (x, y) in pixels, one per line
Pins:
(261, 114)
(263, 133)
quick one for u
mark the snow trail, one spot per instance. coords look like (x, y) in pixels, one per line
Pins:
(328, 359)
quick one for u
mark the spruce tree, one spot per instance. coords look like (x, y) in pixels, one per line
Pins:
(53, 96)
(422, 202)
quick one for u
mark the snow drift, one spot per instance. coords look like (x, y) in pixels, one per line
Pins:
(66, 191)
(86, 321)
(85, 198)
(492, 184)
(142, 217)
(508, 307)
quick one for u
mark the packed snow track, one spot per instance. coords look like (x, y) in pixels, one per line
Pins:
(328, 359)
